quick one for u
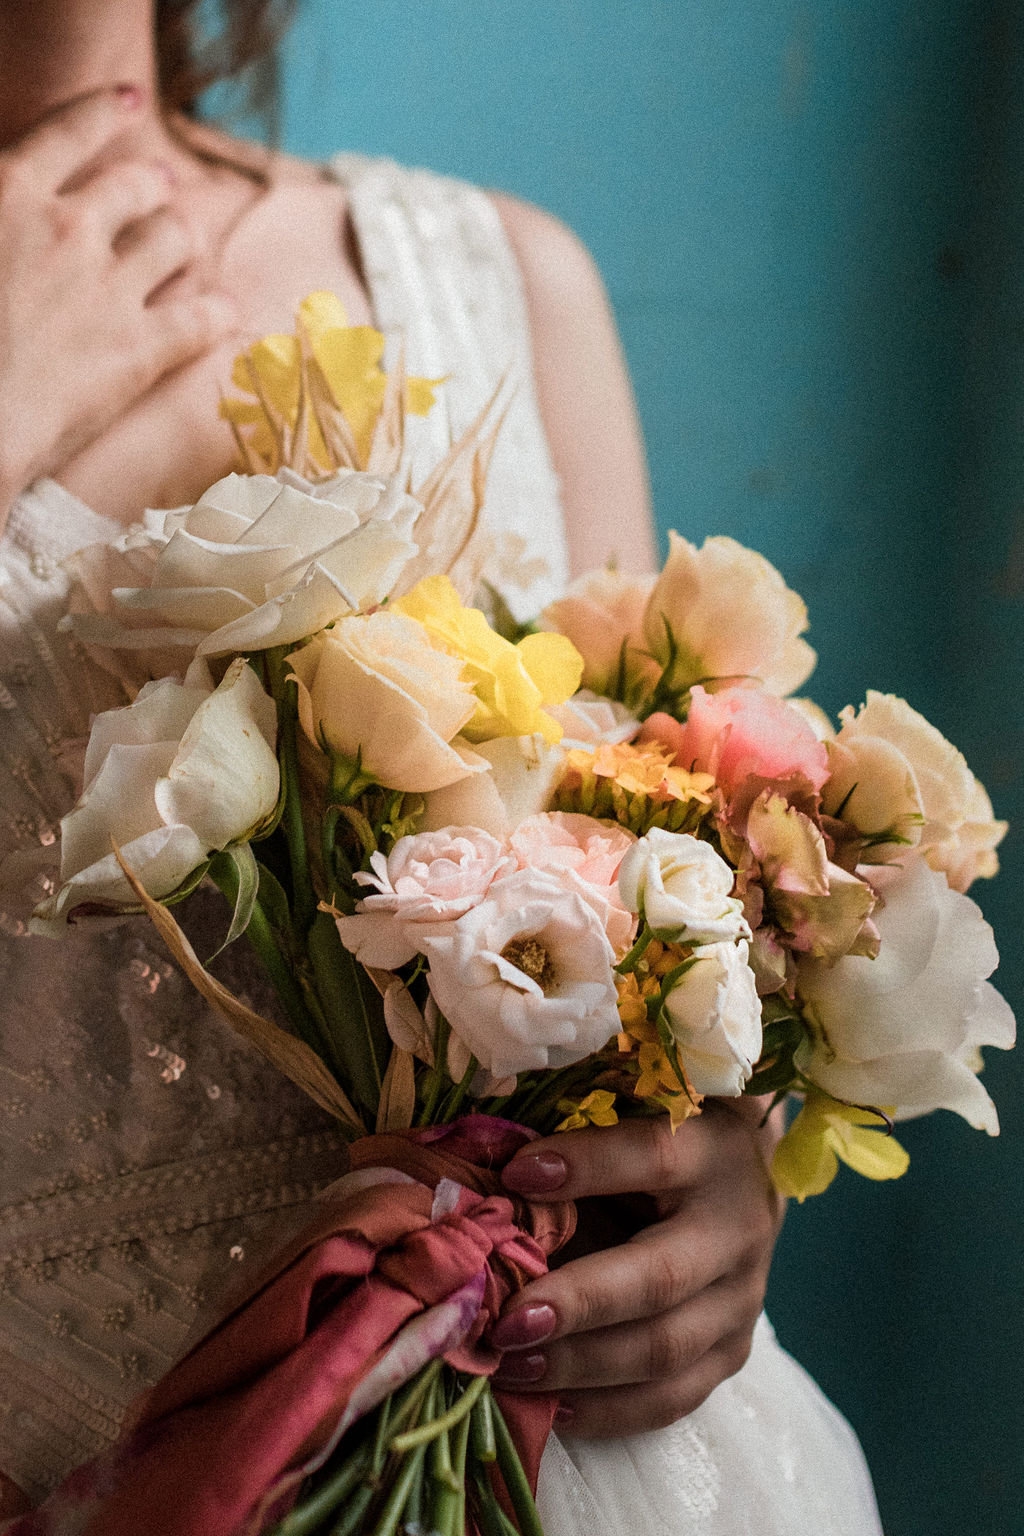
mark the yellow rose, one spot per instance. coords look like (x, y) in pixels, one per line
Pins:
(374, 686)
(510, 682)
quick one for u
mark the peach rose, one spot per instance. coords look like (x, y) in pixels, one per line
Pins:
(600, 613)
(730, 615)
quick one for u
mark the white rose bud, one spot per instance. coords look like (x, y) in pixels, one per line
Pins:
(682, 887)
(183, 771)
(714, 1013)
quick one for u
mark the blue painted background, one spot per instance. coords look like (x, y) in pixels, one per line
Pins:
(809, 215)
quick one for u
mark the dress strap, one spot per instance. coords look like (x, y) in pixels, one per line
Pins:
(442, 277)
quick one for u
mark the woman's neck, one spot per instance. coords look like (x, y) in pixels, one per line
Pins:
(54, 51)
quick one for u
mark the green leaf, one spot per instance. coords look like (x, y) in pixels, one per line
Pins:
(244, 879)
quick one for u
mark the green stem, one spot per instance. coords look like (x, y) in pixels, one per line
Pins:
(453, 1103)
(261, 936)
(515, 1479)
(447, 1421)
(410, 1475)
(352, 1519)
(632, 960)
(436, 1075)
(325, 1500)
(286, 698)
(354, 1015)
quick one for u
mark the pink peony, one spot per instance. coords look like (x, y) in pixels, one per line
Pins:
(739, 734)
(580, 848)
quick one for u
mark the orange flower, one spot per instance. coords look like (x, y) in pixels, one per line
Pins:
(646, 770)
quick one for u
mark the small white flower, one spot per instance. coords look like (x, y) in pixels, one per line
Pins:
(682, 887)
(525, 977)
(714, 1013)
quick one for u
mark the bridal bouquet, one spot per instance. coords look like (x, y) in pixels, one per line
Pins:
(507, 879)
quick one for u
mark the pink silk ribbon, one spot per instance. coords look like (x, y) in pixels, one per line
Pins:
(221, 1444)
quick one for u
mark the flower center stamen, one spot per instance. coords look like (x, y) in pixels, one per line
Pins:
(530, 957)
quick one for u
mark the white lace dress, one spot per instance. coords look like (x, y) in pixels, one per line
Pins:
(141, 1169)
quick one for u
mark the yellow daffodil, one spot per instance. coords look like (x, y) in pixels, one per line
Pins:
(510, 682)
(598, 1108)
(349, 358)
(826, 1132)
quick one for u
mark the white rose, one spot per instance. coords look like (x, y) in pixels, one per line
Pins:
(184, 770)
(429, 878)
(714, 1013)
(263, 560)
(589, 721)
(682, 887)
(730, 615)
(525, 977)
(376, 687)
(894, 773)
(904, 1029)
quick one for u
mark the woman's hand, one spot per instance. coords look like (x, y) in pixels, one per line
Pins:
(639, 1334)
(84, 330)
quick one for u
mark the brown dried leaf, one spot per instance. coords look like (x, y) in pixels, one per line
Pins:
(397, 1093)
(291, 1056)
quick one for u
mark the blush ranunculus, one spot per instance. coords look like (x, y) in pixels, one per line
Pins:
(742, 733)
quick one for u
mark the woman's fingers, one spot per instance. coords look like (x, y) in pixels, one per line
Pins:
(120, 196)
(660, 1349)
(634, 1156)
(61, 146)
(178, 331)
(656, 1271)
(153, 250)
(609, 1413)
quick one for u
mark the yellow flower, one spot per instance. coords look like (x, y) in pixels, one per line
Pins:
(598, 1108)
(511, 682)
(825, 1132)
(646, 770)
(349, 357)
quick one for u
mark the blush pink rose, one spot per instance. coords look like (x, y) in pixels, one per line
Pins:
(742, 733)
(428, 879)
(585, 850)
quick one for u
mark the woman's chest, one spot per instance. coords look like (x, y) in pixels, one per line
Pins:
(172, 443)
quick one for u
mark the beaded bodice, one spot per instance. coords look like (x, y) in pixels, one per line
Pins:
(148, 1158)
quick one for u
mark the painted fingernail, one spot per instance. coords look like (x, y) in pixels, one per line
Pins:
(535, 1173)
(530, 1325)
(520, 1369)
(564, 1415)
(130, 96)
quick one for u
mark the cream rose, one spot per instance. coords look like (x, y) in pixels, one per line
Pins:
(590, 721)
(429, 878)
(730, 615)
(682, 887)
(904, 1029)
(525, 977)
(263, 560)
(374, 686)
(184, 770)
(714, 1014)
(600, 613)
(900, 782)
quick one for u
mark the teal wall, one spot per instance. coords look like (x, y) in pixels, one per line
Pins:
(809, 214)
